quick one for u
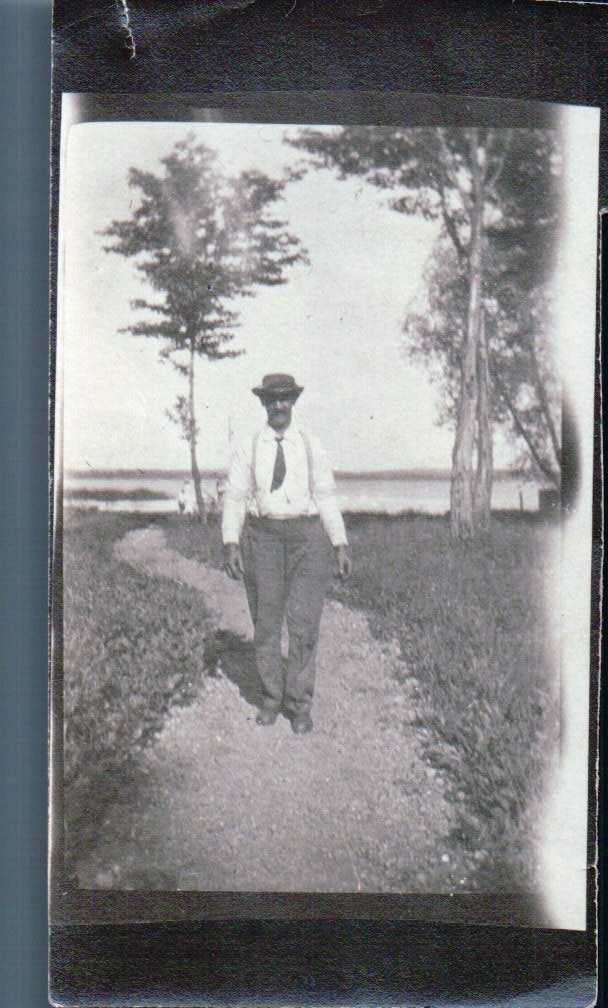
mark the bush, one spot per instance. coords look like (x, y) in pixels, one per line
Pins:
(133, 645)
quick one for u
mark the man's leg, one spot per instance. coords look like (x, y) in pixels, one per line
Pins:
(263, 561)
(308, 563)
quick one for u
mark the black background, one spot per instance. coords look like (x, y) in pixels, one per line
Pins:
(542, 51)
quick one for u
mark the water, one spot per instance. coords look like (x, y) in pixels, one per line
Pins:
(392, 495)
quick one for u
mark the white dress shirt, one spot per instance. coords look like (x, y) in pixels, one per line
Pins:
(293, 498)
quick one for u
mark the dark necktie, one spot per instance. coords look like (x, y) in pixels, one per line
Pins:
(278, 474)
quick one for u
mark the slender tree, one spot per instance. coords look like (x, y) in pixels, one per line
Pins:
(484, 185)
(201, 241)
(516, 378)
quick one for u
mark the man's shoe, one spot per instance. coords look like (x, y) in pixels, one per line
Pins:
(301, 724)
(266, 716)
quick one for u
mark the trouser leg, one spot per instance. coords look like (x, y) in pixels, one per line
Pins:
(263, 560)
(308, 568)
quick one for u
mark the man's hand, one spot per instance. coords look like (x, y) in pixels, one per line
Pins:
(343, 561)
(233, 565)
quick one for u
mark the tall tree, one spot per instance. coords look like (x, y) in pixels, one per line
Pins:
(477, 182)
(517, 384)
(200, 240)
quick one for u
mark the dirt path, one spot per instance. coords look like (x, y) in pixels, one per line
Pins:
(220, 803)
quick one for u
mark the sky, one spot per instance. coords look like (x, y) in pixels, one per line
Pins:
(336, 325)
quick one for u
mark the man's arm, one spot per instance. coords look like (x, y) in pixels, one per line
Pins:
(329, 511)
(238, 491)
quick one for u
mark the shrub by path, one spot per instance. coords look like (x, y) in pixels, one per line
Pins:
(219, 803)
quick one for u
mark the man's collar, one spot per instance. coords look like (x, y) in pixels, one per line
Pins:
(269, 434)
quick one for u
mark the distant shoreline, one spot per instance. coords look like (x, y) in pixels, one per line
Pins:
(351, 474)
(86, 494)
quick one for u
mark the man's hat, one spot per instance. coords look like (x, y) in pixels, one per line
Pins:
(276, 386)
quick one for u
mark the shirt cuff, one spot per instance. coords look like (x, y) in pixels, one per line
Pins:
(333, 523)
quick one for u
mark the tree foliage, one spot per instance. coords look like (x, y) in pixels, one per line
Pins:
(201, 241)
(494, 193)
(526, 395)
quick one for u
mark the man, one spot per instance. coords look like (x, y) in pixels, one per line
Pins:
(280, 503)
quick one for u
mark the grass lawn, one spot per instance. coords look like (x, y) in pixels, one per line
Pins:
(473, 632)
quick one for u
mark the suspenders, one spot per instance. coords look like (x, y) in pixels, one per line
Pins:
(254, 453)
(311, 482)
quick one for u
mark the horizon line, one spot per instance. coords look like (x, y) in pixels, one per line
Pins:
(221, 473)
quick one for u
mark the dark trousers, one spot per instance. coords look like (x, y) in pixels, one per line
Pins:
(287, 569)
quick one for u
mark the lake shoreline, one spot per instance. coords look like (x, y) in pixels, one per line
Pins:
(395, 495)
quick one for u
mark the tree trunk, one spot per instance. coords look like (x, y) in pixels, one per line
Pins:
(482, 502)
(554, 476)
(461, 503)
(192, 434)
(541, 391)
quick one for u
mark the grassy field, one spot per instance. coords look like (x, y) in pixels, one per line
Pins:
(471, 627)
(472, 630)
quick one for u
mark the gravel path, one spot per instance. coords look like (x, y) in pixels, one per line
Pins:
(219, 803)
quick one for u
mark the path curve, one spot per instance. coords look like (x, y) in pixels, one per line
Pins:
(219, 803)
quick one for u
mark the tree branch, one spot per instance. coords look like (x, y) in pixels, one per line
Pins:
(501, 161)
(544, 402)
(451, 226)
(447, 156)
(551, 474)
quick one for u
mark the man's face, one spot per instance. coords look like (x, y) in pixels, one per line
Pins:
(279, 413)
